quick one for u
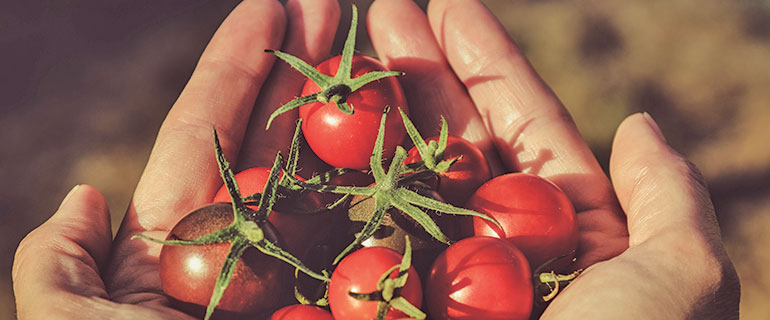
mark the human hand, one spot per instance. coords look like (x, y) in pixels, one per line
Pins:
(498, 102)
(70, 267)
(649, 241)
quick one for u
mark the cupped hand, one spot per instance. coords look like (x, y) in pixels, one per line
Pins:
(71, 268)
(649, 241)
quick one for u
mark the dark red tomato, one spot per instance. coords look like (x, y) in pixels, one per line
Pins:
(295, 219)
(480, 278)
(188, 273)
(465, 175)
(301, 312)
(347, 141)
(535, 214)
(359, 273)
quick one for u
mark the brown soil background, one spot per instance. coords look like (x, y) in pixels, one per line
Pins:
(86, 84)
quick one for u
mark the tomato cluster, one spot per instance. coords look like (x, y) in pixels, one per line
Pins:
(433, 229)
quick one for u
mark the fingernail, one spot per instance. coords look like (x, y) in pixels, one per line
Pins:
(69, 195)
(654, 126)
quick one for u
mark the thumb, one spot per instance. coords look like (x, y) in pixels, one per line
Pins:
(672, 227)
(660, 191)
(61, 258)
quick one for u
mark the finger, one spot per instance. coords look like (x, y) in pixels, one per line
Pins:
(57, 267)
(309, 36)
(660, 191)
(63, 256)
(402, 37)
(676, 266)
(182, 172)
(532, 130)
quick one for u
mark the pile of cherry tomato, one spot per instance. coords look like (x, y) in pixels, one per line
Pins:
(389, 233)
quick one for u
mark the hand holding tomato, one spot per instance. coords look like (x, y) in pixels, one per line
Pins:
(649, 240)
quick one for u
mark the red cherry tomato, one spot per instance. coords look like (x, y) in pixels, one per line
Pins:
(465, 175)
(347, 141)
(188, 273)
(480, 278)
(535, 215)
(359, 273)
(294, 218)
(301, 312)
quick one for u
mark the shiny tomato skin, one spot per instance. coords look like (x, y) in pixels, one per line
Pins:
(188, 273)
(535, 214)
(292, 218)
(301, 312)
(465, 175)
(480, 278)
(347, 141)
(359, 272)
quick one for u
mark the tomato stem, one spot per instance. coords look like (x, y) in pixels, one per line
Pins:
(246, 230)
(431, 153)
(237, 247)
(334, 89)
(388, 289)
(548, 284)
(389, 191)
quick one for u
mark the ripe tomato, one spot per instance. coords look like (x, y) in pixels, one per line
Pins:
(480, 278)
(359, 273)
(188, 273)
(297, 218)
(301, 312)
(347, 141)
(464, 176)
(535, 215)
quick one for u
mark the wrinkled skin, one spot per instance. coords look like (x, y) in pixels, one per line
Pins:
(649, 241)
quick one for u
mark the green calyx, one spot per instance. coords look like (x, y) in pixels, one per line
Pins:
(432, 153)
(333, 89)
(391, 190)
(388, 289)
(247, 228)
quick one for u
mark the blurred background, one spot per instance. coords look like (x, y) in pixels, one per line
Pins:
(86, 84)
